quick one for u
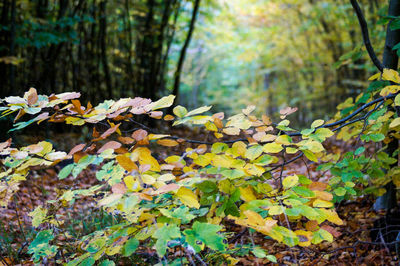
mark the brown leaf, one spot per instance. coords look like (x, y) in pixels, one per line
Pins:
(109, 145)
(312, 225)
(31, 96)
(119, 188)
(108, 132)
(77, 148)
(167, 188)
(126, 140)
(331, 230)
(139, 134)
(5, 144)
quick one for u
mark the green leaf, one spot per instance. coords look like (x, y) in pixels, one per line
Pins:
(317, 123)
(272, 258)
(233, 173)
(165, 234)
(205, 234)
(359, 151)
(320, 236)
(66, 171)
(219, 147)
(253, 152)
(130, 246)
(303, 191)
(179, 111)
(107, 263)
(340, 191)
(397, 100)
(38, 216)
(88, 262)
(207, 186)
(259, 252)
(40, 246)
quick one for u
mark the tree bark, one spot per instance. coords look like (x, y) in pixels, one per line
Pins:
(184, 49)
(390, 60)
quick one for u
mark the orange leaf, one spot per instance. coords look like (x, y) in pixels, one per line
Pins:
(318, 186)
(169, 118)
(126, 163)
(167, 142)
(78, 107)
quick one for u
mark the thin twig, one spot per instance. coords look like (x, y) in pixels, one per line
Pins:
(365, 35)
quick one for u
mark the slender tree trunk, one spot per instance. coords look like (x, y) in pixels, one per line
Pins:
(103, 37)
(390, 60)
(184, 49)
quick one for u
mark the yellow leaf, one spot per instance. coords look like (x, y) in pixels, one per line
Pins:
(283, 139)
(238, 149)
(157, 136)
(272, 148)
(395, 122)
(252, 169)
(210, 126)
(290, 181)
(199, 110)
(332, 216)
(222, 161)
(148, 179)
(131, 183)
(179, 111)
(268, 138)
(389, 90)
(146, 158)
(375, 76)
(188, 197)
(166, 101)
(166, 177)
(318, 203)
(247, 194)
(304, 237)
(276, 210)
(232, 131)
(317, 123)
(391, 75)
(218, 135)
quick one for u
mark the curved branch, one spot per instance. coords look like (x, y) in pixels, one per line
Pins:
(365, 35)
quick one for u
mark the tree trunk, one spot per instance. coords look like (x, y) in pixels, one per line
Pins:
(184, 49)
(390, 60)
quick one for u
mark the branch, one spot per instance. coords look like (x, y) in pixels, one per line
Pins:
(365, 35)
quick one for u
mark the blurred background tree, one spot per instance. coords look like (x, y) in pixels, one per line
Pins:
(104, 49)
(229, 53)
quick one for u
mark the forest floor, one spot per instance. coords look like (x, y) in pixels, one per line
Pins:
(352, 243)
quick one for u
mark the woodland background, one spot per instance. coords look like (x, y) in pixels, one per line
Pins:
(302, 53)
